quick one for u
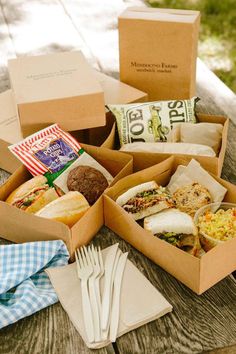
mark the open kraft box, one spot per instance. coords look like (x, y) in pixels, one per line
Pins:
(19, 226)
(213, 164)
(199, 274)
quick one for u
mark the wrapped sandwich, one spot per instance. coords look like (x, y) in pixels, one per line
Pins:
(175, 227)
(145, 199)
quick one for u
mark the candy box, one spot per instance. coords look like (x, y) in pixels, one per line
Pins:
(19, 226)
(199, 274)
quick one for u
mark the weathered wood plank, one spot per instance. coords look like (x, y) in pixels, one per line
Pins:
(6, 50)
(198, 323)
(40, 27)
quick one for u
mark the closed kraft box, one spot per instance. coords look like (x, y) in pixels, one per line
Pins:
(10, 133)
(56, 88)
(158, 51)
(19, 226)
(199, 274)
(212, 164)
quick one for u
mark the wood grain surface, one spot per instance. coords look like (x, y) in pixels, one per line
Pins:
(205, 323)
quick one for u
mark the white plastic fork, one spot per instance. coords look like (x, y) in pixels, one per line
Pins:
(98, 290)
(85, 270)
(92, 253)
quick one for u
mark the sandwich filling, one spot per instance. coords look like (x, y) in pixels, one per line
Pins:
(24, 202)
(183, 241)
(148, 199)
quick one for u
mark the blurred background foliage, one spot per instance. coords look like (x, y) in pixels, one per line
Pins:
(217, 42)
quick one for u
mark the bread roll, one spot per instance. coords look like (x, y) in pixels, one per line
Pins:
(67, 209)
(32, 195)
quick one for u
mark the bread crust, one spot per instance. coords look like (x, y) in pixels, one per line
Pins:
(67, 209)
(171, 220)
(132, 192)
(47, 197)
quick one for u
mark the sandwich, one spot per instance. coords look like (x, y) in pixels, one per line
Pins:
(175, 227)
(67, 209)
(145, 199)
(32, 195)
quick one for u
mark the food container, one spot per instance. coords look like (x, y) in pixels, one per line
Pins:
(212, 164)
(207, 241)
(199, 274)
(19, 226)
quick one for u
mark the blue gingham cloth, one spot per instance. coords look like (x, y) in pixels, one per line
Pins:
(24, 286)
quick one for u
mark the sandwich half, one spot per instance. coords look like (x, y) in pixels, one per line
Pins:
(175, 227)
(145, 199)
(32, 195)
(67, 209)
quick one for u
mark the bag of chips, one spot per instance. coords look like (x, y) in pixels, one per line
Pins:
(151, 121)
(48, 152)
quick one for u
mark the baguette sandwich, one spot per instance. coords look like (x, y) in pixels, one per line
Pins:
(145, 199)
(32, 195)
(67, 209)
(175, 227)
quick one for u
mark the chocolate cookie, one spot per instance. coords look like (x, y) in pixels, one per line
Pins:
(88, 181)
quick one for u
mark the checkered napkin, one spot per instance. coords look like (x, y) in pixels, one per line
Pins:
(24, 286)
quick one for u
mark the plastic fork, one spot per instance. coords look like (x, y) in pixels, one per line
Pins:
(93, 291)
(85, 270)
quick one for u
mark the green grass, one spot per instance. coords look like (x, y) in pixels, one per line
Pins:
(217, 46)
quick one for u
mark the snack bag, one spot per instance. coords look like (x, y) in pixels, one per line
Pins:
(151, 121)
(48, 152)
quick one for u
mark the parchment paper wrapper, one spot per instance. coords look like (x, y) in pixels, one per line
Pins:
(170, 148)
(209, 134)
(195, 173)
(84, 160)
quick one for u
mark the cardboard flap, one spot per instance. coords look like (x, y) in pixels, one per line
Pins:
(188, 16)
(116, 92)
(25, 227)
(53, 76)
(9, 123)
(20, 176)
(216, 264)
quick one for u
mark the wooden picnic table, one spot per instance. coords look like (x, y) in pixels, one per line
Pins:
(205, 323)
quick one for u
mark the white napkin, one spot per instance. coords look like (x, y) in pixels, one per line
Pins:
(140, 301)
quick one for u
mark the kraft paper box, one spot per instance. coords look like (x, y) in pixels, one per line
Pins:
(57, 88)
(115, 92)
(19, 226)
(9, 131)
(158, 51)
(212, 164)
(199, 274)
